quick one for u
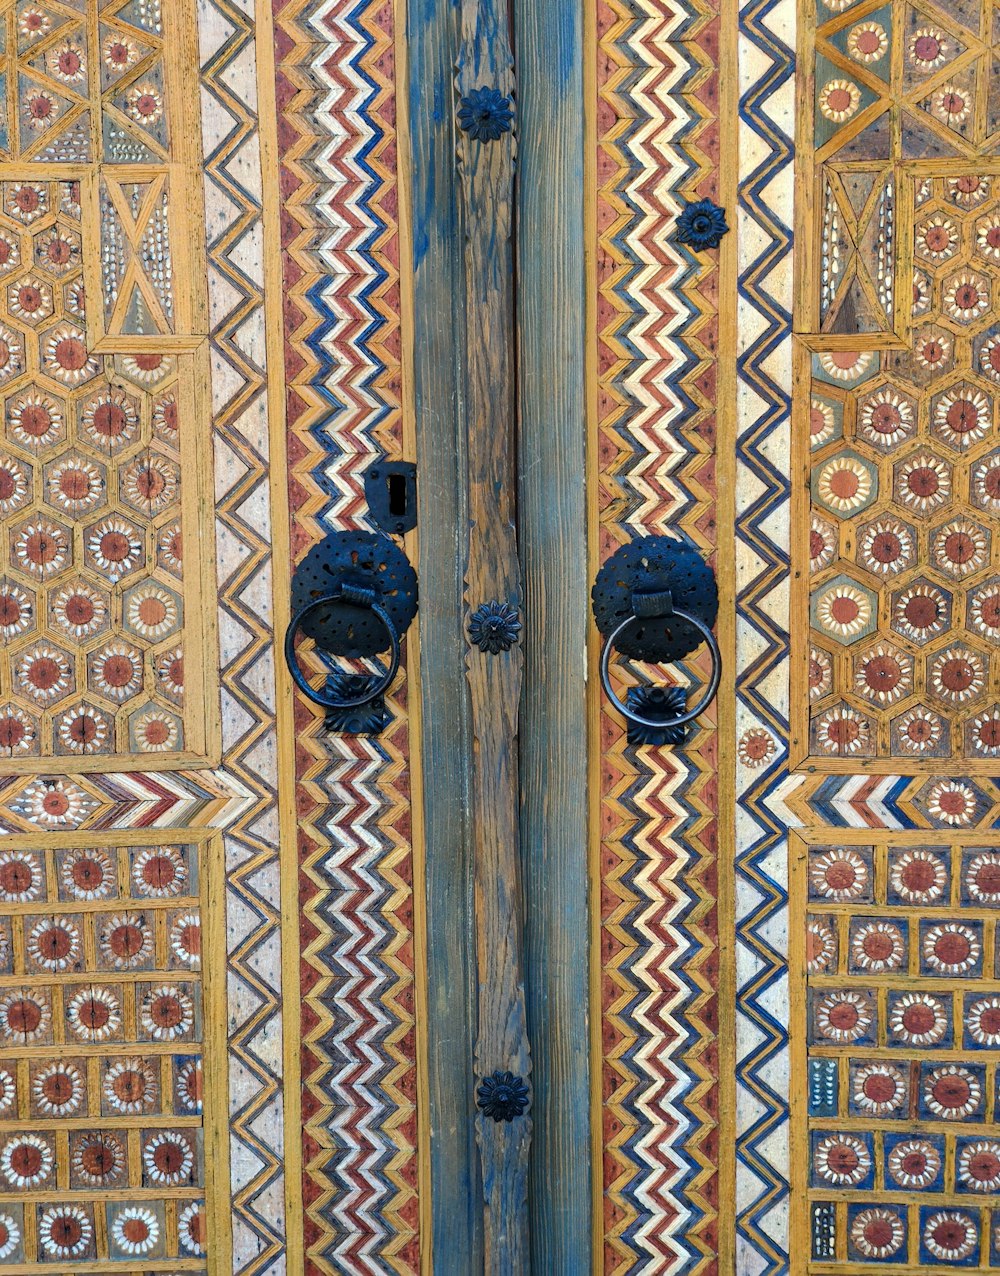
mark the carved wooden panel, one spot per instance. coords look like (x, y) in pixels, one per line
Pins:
(901, 1011)
(101, 455)
(102, 1033)
(903, 223)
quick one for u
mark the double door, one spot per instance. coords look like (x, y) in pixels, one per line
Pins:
(684, 318)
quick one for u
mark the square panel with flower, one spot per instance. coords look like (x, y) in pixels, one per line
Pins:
(102, 1041)
(900, 1029)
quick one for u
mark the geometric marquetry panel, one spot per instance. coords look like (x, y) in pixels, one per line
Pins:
(905, 507)
(91, 601)
(104, 641)
(895, 961)
(896, 84)
(900, 1014)
(899, 399)
(102, 1039)
(88, 90)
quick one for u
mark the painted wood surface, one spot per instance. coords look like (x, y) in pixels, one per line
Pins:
(134, 173)
(552, 517)
(438, 343)
(492, 573)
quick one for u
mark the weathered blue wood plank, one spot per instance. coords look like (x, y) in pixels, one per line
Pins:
(549, 40)
(484, 83)
(456, 1244)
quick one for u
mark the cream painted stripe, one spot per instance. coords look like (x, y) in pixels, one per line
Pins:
(281, 559)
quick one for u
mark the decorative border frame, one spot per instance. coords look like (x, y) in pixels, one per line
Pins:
(657, 1055)
(341, 242)
(764, 310)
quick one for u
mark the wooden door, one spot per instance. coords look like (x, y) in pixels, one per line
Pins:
(496, 986)
(792, 977)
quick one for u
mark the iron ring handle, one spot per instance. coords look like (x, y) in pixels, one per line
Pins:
(657, 724)
(378, 686)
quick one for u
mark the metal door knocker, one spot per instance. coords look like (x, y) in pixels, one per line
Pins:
(355, 595)
(656, 600)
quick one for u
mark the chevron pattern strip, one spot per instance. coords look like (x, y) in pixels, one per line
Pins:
(656, 150)
(764, 371)
(342, 364)
(234, 199)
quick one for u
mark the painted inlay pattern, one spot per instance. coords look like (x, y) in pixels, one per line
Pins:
(895, 172)
(657, 141)
(98, 618)
(240, 797)
(763, 543)
(902, 1017)
(80, 91)
(337, 93)
(91, 603)
(905, 603)
(101, 1040)
(903, 530)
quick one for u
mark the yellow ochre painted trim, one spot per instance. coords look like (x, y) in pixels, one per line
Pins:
(414, 699)
(725, 496)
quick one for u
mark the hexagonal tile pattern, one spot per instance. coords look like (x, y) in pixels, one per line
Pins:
(956, 676)
(961, 416)
(843, 731)
(905, 508)
(960, 547)
(886, 417)
(75, 485)
(922, 611)
(936, 238)
(58, 250)
(886, 546)
(152, 611)
(982, 734)
(845, 611)
(883, 674)
(845, 484)
(920, 732)
(91, 603)
(30, 299)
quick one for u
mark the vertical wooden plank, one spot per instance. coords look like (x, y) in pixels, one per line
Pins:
(486, 166)
(436, 335)
(551, 269)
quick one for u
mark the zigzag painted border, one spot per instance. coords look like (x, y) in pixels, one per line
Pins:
(247, 579)
(762, 521)
(337, 137)
(657, 140)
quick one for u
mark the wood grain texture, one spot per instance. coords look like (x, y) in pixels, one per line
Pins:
(551, 343)
(455, 1244)
(493, 573)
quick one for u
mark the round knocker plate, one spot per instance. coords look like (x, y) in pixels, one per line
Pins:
(651, 565)
(367, 561)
